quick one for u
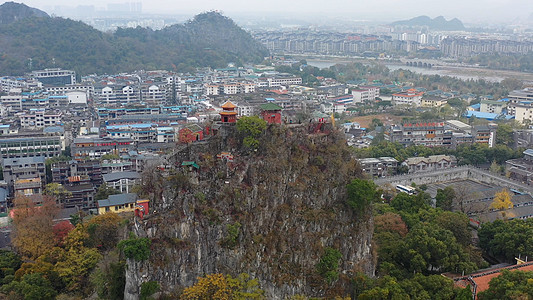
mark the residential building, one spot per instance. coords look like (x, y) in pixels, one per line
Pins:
(523, 111)
(433, 102)
(379, 167)
(39, 119)
(331, 108)
(365, 94)
(22, 146)
(211, 90)
(70, 172)
(425, 133)
(430, 163)
(54, 76)
(94, 148)
(82, 196)
(281, 81)
(485, 134)
(409, 97)
(28, 187)
(491, 106)
(15, 169)
(524, 99)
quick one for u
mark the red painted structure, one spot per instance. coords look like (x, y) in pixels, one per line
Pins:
(228, 113)
(191, 133)
(142, 208)
(271, 113)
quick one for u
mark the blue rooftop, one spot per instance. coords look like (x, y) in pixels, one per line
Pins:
(476, 106)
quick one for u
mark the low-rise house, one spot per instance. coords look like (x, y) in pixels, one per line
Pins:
(129, 202)
(431, 163)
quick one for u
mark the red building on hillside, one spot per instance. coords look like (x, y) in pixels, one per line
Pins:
(191, 133)
(271, 113)
(228, 113)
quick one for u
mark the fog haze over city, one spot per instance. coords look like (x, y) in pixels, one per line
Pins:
(484, 12)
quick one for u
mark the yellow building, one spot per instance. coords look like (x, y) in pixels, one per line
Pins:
(121, 203)
(433, 102)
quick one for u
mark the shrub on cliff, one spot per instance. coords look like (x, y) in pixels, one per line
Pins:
(251, 128)
(361, 193)
(136, 248)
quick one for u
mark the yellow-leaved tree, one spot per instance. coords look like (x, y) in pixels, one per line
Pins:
(502, 201)
(220, 287)
(33, 222)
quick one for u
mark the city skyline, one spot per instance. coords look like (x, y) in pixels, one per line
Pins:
(501, 11)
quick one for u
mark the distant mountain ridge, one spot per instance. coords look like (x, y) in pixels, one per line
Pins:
(11, 12)
(208, 40)
(438, 23)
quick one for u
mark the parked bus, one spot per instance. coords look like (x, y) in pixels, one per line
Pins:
(406, 189)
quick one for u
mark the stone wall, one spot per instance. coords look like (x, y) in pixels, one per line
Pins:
(458, 173)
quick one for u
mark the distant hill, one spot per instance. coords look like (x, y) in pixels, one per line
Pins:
(209, 39)
(438, 23)
(11, 12)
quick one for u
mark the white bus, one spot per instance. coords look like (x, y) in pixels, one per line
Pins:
(406, 189)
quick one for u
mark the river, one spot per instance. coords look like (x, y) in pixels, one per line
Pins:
(463, 73)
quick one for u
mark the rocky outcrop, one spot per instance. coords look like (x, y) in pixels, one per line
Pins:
(269, 213)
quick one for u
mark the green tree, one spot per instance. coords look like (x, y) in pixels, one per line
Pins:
(445, 197)
(136, 248)
(9, 263)
(250, 128)
(504, 135)
(104, 192)
(361, 193)
(328, 265)
(410, 203)
(58, 191)
(429, 249)
(148, 288)
(507, 239)
(32, 287)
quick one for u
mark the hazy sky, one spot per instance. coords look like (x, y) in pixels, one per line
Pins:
(466, 10)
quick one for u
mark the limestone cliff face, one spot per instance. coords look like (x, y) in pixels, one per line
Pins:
(269, 213)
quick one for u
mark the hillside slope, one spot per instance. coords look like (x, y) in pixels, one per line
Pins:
(209, 39)
(11, 12)
(269, 213)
